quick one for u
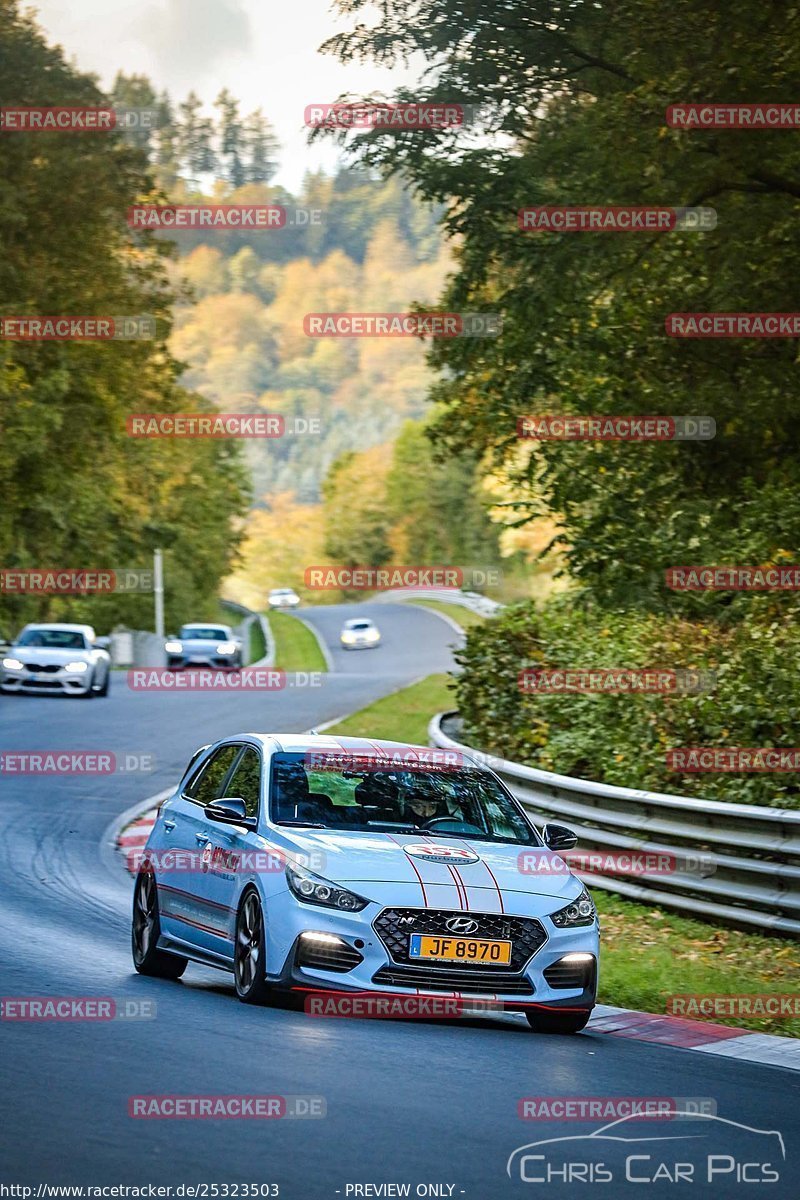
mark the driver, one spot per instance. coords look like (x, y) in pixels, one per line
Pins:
(421, 807)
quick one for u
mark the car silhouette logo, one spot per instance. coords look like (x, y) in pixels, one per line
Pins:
(462, 925)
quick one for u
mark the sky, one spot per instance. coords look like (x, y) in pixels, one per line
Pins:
(263, 51)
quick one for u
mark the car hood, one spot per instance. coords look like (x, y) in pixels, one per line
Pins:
(196, 645)
(407, 858)
(42, 655)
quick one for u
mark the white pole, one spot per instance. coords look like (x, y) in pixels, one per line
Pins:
(158, 590)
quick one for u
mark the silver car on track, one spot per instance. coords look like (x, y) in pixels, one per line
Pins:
(66, 659)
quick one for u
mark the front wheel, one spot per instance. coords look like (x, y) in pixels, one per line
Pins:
(250, 952)
(146, 930)
(557, 1022)
(103, 691)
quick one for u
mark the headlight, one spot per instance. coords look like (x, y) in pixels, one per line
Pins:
(347, 638)
(372, 635)
(313, 889)
(580, 911)
(77, 668)
(226, 648)
(173, 647)
(13, 664)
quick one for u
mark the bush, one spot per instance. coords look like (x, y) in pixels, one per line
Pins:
(622, 739)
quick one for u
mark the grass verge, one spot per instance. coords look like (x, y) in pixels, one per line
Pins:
(258, 644)
(647, 953)
(401, 717)
(464, 617)
(296, 648)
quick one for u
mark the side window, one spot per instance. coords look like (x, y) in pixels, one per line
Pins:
(246, 782)
(205, 787)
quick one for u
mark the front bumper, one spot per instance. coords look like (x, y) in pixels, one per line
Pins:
(379, 969)
(220, 662)
(55, 682)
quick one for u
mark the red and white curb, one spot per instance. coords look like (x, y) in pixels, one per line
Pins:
(132, 839)
(765, 1048)
(742, 1044)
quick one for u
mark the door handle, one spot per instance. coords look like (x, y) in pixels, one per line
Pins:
(202, 838)
(169, 826)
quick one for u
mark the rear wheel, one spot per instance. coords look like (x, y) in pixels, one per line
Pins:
(250, 952)
(557, 1022)
(145, 932)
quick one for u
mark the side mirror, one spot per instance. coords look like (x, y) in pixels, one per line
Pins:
(230, 811)
(102, 643)
(558, 837)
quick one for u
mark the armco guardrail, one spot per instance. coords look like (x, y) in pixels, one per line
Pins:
(747, 857)
(474, 600)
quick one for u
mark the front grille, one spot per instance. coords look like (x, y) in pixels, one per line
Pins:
(394, 925)
(327, 956)
(455, 978)
(39, 669)
(41, 683)
(569, 974)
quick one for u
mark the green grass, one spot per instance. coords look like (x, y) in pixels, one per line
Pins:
(296, 648)
(401, 717)
(258, 645)
(648, 954)
(464, 617)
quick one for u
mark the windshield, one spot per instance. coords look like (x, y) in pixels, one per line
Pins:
(204, 633)
(53, 639)
(465, 802)
(359, 625)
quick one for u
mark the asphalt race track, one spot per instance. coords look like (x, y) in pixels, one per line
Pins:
(417, 1103)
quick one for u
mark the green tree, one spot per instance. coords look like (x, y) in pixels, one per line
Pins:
(578, 93)
(76, 490)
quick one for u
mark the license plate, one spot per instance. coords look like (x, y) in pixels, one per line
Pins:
(478, 950)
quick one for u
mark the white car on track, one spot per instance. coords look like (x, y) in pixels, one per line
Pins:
(283, 598)
(66, 659)
(359, 633)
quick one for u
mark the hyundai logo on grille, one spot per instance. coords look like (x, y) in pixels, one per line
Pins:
(462, 925)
